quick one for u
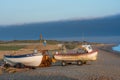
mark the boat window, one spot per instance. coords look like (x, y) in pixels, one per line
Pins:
(89, 47)
(81, 51)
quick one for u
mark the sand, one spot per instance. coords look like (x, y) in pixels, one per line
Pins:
(107, 67)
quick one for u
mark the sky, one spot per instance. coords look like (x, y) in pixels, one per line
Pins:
(29, 11)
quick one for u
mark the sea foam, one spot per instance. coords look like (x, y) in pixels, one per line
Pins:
(116, 48)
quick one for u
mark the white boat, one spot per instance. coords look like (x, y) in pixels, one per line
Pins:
(77, 56)
(80, 56)
(33, 59)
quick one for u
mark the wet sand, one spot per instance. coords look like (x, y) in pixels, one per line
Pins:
(107, 67)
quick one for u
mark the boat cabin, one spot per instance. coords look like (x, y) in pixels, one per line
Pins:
(88, 48)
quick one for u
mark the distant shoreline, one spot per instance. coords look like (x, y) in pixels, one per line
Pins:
(97, 39)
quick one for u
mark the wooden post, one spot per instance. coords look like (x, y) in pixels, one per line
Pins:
(40, 38)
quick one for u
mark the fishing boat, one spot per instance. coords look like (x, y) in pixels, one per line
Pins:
(80, 56)
(33, 59)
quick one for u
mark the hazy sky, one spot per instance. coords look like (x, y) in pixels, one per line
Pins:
(26, 11)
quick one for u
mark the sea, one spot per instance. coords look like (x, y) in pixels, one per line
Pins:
(116, 48)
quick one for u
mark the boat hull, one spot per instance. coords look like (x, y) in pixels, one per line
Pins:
(78, 56)
(28, 60)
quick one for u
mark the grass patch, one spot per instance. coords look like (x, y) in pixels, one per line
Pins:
(30, 41)
(12, 47)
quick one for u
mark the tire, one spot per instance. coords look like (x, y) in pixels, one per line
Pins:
(6, 65)
(63, 63)
(19, 65)
(79, 63)
(84, 62)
